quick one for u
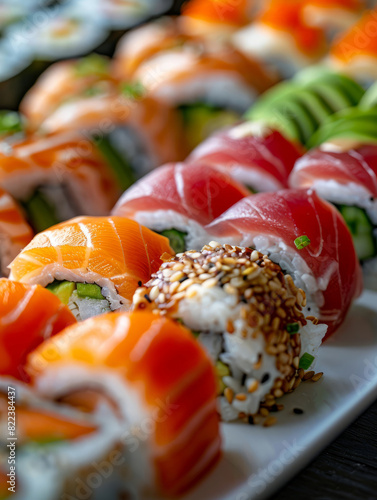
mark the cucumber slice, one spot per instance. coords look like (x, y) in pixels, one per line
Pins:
(176, 238)
(62, 289)
(122, 170)
(361, 229)
(369, 99)
(41, 213)
(89, 291)
(306, 123)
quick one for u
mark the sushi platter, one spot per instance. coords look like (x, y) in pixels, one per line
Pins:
(188, 243)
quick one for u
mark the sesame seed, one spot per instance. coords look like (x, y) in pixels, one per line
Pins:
(270, 421)
(317, 376)
(214, 244)
(278, 393)
(241, 397)
(228, 393)
(298, 411)
(264, 412)
(253, 386)
(308, 375)
(191, 292)
(254, 255)
(210, 283)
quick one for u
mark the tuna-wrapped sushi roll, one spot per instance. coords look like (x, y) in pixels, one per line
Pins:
(177, 200)
(15, 232)
(252, 153)
(159, 383)
(57, 448)
(308, 238)
(56, 178)
(347, 178)
(212, 85)
(93, 264)
(247, 313)
(28, 316)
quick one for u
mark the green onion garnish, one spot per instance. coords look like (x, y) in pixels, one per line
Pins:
(302, 242)
(133, 90)
(293, 328)
(10, 122)
(306, 360)
(92, 65)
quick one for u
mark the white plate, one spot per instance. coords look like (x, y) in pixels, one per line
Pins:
(257, 461)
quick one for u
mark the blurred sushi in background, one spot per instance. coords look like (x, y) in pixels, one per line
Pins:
(247, 314)
(254, 154)
(56, 178)
(159, 384)
(15, 232)
(212, 84)
(178, 200)
(281, 38)
(355, 51)
(93, 264)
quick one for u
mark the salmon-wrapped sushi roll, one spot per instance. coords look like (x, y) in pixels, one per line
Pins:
(57, 448)
(93, 264)
(28, 315)
(160, 383)
(252, 153)
(281, 38)
(303, 234)
(248, 315)
(212, 85)
(15, 232)
(211, 18)
(177, 200)
(355, 52)
(56, 178)
(61, 81)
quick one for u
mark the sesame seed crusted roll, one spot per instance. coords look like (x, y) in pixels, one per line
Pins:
(250, 317)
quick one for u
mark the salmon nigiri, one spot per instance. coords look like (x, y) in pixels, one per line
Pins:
(94, 264)
(15, 232)
(28, 315)
(57, 445)
(151, 369)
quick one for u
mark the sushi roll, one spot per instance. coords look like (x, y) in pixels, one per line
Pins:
(15, 232)
(28, 316)
(249, 316)
(335, 16)
(281, 38)
(355, 52)
(211, 18)
(62, 176)
(347, 177)
(303, 234)
(297, 108)
(159, 382)
(252, 153)
(58, 447)
(62, 81)
(177, 200)
(93, 264)
(134, 131)
(211, 84)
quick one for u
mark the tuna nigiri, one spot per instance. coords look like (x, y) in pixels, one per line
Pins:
(28, 315)
(347, 178)
(254, 154)
(62, 176)
(152, 370)
(15, 232)
(94, 264)
(212, 85)
(308, 238)
(177, 200)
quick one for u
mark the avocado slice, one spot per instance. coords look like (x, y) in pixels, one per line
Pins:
(176, 238)
(89, 291)
(361, 229)
(62, 289)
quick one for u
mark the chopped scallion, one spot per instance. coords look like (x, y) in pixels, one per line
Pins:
(302, 242)
(306, 360)
(293, 328)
